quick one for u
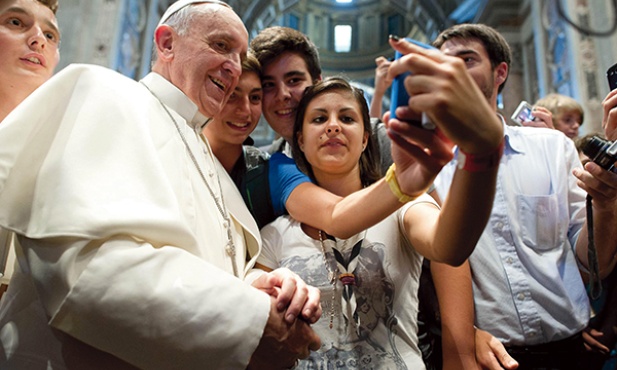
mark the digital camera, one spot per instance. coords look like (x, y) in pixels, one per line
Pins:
(601, 151)
(522, 113)
(399, 96)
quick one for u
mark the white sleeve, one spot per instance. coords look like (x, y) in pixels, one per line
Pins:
(576, 195)
(116, 263)
(151, 307)
(272, 243)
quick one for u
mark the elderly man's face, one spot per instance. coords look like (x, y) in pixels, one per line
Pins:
(29, 40)
(206, 63)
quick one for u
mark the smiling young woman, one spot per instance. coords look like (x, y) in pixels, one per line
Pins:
(368, 281)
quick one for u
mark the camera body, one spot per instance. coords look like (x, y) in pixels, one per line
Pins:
(611, 75)
(522, 113)
(399, 96)
(601, 151)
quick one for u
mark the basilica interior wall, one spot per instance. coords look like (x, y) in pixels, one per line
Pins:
(550, 55)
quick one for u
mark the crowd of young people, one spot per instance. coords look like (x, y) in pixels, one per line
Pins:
(151, 255)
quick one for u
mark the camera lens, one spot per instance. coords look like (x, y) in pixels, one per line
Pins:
(596, 149)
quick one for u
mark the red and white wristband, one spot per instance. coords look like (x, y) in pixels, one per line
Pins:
(480, 162)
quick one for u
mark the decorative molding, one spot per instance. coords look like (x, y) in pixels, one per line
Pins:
(130, 46)
(587, 48)
(517, 56)
(106, 15)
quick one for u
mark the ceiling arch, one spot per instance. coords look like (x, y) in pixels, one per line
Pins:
(371, 22)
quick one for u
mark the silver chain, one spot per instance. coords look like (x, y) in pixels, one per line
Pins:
(230, 248)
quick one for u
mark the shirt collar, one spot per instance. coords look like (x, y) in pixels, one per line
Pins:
(175, 99)
(512, 139)
(512, 136)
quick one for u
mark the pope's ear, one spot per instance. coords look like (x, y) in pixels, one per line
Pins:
(164, 37)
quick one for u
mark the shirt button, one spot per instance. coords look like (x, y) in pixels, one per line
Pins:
(532, 334)
(211, 173)
(499, 225)
(225, 224)
(509, 260)
(520, 296)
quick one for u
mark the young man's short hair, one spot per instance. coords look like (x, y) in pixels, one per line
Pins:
(271, 42)
(51, 4)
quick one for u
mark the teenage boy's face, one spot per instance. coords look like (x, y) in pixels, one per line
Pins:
(241, 112)
(284, 81)
(29, 40)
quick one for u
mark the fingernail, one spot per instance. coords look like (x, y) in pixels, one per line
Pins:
(394, 37)
(290, 318)
(280, 306)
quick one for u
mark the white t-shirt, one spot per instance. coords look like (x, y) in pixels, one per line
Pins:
(375, 320)
(527, 286)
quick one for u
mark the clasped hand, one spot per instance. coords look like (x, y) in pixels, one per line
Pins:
(294, 305)
(292, 295)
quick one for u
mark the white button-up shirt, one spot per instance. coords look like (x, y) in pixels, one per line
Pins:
(526, 283)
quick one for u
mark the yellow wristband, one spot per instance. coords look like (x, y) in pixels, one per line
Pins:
(395, 188)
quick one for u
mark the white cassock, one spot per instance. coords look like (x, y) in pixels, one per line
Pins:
(121, 249)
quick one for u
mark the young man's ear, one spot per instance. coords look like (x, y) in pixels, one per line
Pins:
(501, 73)
(164, 37)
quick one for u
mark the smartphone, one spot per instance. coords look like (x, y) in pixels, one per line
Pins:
(611, 75)
(522, 113)
(399, 96)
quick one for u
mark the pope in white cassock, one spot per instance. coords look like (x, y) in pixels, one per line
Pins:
(129, 230)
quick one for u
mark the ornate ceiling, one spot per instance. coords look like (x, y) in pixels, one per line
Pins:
(371, 22)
